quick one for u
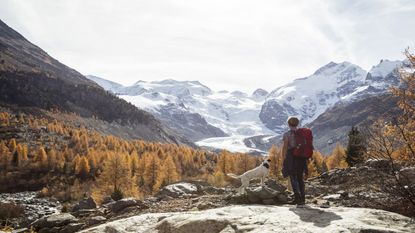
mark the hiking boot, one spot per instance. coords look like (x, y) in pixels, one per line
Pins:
(295, 201)
(302, 200)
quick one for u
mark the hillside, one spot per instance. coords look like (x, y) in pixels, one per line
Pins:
(29, 77)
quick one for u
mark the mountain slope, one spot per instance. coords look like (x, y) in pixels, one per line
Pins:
(209, 118)
(309, 97)
(333, 125)
(29, 77)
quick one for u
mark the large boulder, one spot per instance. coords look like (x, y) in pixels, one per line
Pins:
(122, 204)
(53, 221)
(407, 176)
(256, 218)
(85, 204)
(179, 189)
(272, 193)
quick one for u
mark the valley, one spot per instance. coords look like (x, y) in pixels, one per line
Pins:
(229, 119)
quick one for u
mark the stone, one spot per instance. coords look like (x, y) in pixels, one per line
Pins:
(22, 230)
(271, 195)
(268, 201)
(107, 200)
(55, 220)
(72, 227)
(407, 175)
(179, 189)
(257, 218)
(122, 204)
(205, 205)
(85, 204)
(96, 220)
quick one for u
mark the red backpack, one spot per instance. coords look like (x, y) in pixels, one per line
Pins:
(304, 142)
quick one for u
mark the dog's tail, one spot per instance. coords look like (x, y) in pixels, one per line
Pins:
(233, 176)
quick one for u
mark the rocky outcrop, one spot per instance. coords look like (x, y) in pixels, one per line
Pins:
(333, 125)
(54, 222)
(125, 203)
(250, 218)
(34, 207)
(85, 204)
(272, 193)
(179, 189)
(370, 185)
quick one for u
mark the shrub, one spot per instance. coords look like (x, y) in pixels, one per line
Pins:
(10, 210)
(117, 195)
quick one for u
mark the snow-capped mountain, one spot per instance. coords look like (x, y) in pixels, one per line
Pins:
(225, 120)
(308, 97)
(212, 119)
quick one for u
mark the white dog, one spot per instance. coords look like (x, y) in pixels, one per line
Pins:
(259, 172)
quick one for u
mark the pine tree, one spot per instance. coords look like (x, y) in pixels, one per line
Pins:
(275, 168)
(355, 148)
(4, 156)
(169, 167)
(337, 158)
(116, 177)
(152, 171)
(12, 145)
(42, 158)
(134, 163)
(82, 170)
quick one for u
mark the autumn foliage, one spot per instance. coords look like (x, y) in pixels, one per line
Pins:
(73, 161)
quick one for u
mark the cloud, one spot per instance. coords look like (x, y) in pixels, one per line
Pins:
(233, 44)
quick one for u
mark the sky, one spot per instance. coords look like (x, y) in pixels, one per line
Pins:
(224, 44)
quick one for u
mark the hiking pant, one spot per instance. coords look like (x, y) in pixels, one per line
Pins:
(297, 184)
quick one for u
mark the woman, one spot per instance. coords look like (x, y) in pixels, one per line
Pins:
(294, 167)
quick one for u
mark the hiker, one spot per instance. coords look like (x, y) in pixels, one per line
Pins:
(297, 144)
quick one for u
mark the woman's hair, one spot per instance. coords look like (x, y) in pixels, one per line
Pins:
(293, 121)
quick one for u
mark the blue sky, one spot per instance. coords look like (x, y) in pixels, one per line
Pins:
(232, 44)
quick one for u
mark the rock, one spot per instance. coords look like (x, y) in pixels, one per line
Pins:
(379, 164)
(332, 197)
(85, 204)
(96, 219)
(343, 194)
(274, 185)
(71, 228)
(213, 190)
(55, 220)
(178, 189)
(270, 194)
(107, 200)
(22, 230)
(125, 203)
(407, 175)
(255, 218)
(85, 213)
(206, 205)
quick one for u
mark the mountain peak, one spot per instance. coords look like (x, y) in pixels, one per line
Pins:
(384, 68)
(260, 93)
(332, 67)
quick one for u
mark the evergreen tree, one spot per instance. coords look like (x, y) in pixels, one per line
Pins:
(12, 145)
(116, 178)
(337, 158)
(83, 168)
(169, 168)
(355, 148)
(42, 158)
